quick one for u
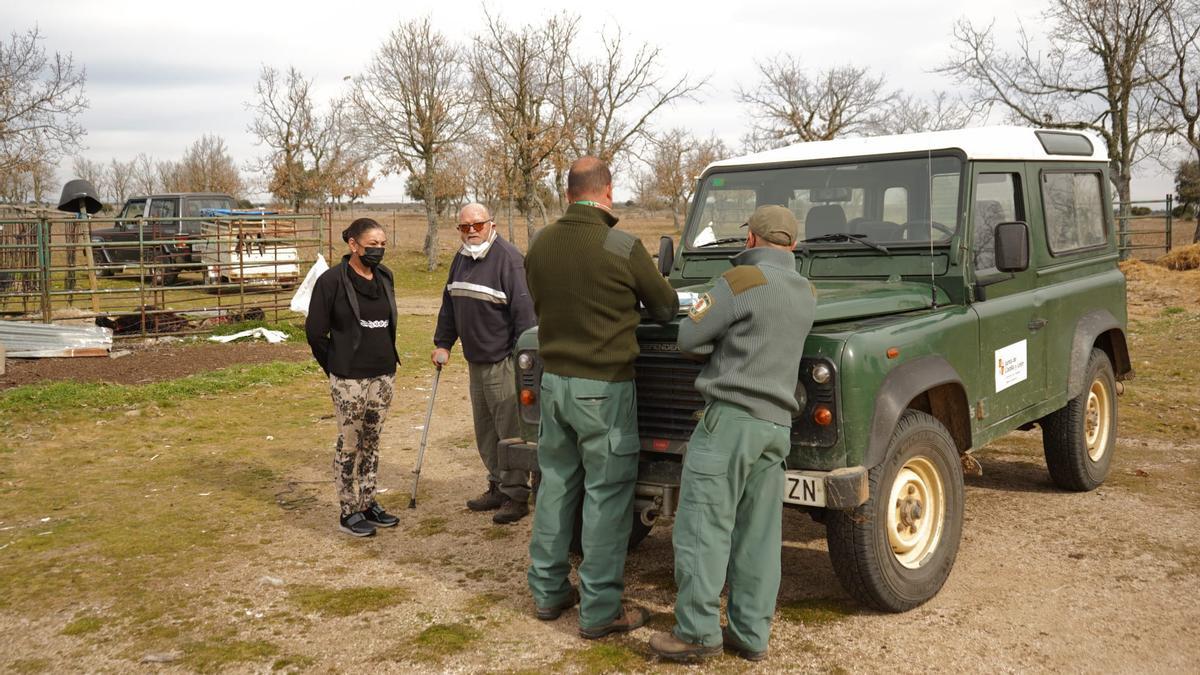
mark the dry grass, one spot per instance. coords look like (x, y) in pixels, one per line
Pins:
(1181, 259)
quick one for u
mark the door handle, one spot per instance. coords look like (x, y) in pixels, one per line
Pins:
(1037, 324)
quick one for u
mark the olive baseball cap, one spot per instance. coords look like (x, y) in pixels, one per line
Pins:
(774, 223)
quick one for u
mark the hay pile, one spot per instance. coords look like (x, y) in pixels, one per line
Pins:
(1183, 258)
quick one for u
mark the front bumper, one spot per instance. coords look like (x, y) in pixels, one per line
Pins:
(844, 488)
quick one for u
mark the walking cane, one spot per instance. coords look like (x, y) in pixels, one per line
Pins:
(412, 502)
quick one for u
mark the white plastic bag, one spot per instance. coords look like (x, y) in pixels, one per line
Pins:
(304, 293)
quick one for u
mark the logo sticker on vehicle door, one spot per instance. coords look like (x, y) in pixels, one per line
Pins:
(1011, 365)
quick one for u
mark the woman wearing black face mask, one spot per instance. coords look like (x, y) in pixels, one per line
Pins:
(351, 328)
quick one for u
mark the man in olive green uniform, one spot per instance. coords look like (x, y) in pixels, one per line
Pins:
(586, 279)
(751, 326)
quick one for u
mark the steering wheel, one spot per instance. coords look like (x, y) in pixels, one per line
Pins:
(924, 226)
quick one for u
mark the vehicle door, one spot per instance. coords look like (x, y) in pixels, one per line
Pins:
(1075, 259)
(124, 246)
(1011, 311)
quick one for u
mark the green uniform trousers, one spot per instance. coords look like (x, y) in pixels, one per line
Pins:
(730, 526)
(588, 453)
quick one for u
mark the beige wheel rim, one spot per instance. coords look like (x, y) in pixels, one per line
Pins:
(916, 513)
(1098, 420)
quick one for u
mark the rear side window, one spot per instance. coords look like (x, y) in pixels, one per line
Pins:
(164, 208)
(1074, 211)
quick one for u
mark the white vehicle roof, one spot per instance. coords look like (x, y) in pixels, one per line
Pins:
(980, 143)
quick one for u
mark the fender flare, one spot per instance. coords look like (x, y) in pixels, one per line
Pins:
(1089, 327)
(899, 387)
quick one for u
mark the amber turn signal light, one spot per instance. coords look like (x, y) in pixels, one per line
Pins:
(527, 397)
(822, 415)
(893, 353)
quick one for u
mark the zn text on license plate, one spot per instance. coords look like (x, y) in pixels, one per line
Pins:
(804, 487)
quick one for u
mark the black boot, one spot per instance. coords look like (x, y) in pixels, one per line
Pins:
(488, 501)
(511, 511)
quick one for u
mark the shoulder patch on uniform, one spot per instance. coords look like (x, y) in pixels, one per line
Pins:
(744, 277)
(619, 242)
(700, 307)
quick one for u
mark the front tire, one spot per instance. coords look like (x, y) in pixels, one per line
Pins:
(1079, 438)
(896, 551)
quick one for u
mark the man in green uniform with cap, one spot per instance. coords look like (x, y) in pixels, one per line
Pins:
(751, 326)
(586, 279)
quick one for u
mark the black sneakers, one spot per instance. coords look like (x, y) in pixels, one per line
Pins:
(380, 518)
(356, 525)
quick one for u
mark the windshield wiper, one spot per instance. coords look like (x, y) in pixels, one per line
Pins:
(723, 240)
(842, 236)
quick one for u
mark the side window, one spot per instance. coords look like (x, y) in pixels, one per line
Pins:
(164, 208)
(132, 210)
(895, 205)
(1074, 211)
(997, 200)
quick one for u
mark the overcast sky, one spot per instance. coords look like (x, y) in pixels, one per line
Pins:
(160, 74)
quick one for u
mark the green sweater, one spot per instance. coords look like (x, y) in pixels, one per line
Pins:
(752, 325)
(586, 279)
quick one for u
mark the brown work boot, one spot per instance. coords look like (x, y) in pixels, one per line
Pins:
(552, 613)
(488, 501)
(668, 646)
(511, 511)
(631, 618)
(740, 650)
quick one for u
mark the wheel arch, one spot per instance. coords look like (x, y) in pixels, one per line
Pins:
(929, 384)
(1097, 329)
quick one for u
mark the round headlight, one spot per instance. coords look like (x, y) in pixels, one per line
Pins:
(821, 373)
(525, 361)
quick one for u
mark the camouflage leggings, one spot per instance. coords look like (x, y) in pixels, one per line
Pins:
(361, 406)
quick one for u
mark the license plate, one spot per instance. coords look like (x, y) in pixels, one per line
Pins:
(804, 487)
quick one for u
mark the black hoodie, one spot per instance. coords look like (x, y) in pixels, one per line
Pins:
(332, 327)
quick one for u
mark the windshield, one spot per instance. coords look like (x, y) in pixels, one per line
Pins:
(885, 201)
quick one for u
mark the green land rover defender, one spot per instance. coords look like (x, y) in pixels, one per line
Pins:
(967, 286)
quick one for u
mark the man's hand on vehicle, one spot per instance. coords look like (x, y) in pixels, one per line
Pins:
(439, 357)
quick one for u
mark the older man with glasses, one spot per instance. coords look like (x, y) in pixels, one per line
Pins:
(486, 305)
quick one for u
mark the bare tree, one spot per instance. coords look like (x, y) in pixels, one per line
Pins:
(789, 105)
(41, 98)
(607, 103)
(679, 159)
(168, 176)
(909, 114)
(1092, 75)
(414, 104)
(145, 175)
(518, 77)
(93, 172)
(283, 120)
(120, 176)
(1180, 90)
(207, 166)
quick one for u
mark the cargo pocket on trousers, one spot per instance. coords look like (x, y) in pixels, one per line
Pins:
(622, 465)
(705, 478)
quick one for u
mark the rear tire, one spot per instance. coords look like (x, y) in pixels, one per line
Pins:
(1080, 437)
(896, 551)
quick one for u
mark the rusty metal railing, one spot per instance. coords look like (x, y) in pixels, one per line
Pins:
(155, 276)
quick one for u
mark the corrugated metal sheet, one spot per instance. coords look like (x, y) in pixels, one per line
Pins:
(37, 340)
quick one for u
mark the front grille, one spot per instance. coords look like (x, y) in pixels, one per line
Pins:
(668, 400)
(666, 394)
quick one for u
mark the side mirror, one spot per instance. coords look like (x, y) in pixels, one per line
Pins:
(1012, 247)
(666, 255)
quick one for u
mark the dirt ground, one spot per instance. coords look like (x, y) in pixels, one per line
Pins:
(242, 569)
